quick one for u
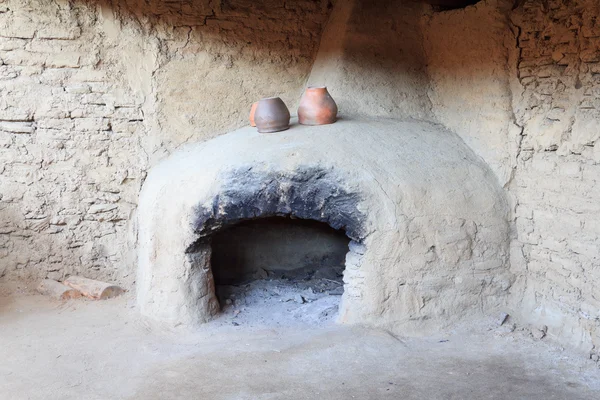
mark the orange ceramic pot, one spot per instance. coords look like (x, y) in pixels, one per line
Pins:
(271, 115)
(317, 107)
(252, 111)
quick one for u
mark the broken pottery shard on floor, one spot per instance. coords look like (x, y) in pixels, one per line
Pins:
(96, 290)
(502, 318)
(57, 290)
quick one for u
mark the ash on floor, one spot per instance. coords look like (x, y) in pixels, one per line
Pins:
(280, 302)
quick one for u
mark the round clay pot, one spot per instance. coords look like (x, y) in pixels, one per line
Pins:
(317, 107)
(272, 115)
(252, 111)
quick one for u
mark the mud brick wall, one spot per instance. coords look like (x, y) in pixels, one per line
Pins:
(557, 179)
(93, 93)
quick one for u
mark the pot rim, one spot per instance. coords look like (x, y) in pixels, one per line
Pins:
(316, 87)
(269, 98)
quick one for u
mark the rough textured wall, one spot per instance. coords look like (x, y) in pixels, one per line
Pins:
(70, 160)
(468, 67)
(92, 93)
(557, 180)
(522, 88)
(403, 60)
(217, 57)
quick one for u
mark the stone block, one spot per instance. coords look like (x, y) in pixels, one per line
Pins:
(22, 58)
(57, 124)
(543, 165)
(17, 26)
(128, 113)
(89, 75)
(78, 89)
(59, 31)
(567, 263)
(15, 114)
(590, 31)
(552, 244)
(62, 60)
(92, 111)
(91, 124)
(588, 249)
(16, 126)
(8, 44)
(586, 129)
(8, 72)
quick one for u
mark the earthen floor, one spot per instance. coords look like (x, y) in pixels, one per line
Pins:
(103, 350)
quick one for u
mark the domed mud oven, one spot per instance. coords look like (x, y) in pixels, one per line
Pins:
(426, 221)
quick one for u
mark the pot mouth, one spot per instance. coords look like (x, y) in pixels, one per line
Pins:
(269, 98)
(317, 87)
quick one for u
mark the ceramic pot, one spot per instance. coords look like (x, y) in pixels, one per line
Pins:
(317, 107)
(272, 115)
(252, 111)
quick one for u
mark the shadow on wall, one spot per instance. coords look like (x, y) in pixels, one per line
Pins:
(469, 68)
(216, 58)
(104, 89)
(371, 57)
(199, 65)
(212, 59)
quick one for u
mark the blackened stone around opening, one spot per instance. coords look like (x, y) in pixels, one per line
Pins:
(306, 193)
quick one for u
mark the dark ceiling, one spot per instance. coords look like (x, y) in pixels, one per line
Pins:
(451, 4)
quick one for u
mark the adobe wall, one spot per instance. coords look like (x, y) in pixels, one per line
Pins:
(557, 179)
(93, 93)
(522, 88)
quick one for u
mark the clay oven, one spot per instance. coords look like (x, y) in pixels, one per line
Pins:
(427, 236)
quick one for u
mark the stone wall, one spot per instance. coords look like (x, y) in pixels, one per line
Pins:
(557, 178)
(70, 160)
(522, 87)
(93, 93)
(218, 57)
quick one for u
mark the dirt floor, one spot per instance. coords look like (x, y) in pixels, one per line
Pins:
(103, 350)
